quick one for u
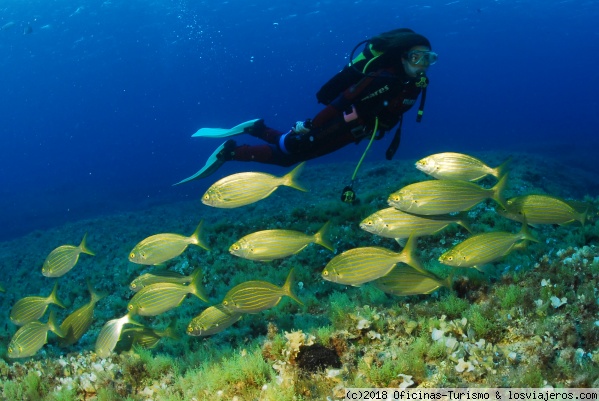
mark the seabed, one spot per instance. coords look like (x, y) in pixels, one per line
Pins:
(529, 321)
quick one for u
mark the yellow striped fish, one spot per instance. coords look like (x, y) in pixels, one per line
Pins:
(256, 296)
(77, 323)
(110, 334)
(29, 309)
(212, 320)
(458, 166)
(162, 297)
(276, 244)
(159, 248)
(361, 265)
(144, 337)
(444, 196)
(160, 276)
(393, 223)
(405, 280)
(543, 209)
(484, 248)
(245, 188)
(62, 259)
(32, 337)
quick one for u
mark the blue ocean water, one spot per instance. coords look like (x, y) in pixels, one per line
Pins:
(100, 98)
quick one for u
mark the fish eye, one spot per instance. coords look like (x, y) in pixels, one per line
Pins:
(130, 307)
(132, 255)
(450, 258)
(369, 223)
(206, 197)
(189, 329)
(225, 303)
(235, 247)
(325, 273)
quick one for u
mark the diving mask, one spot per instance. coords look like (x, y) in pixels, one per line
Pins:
(421, 57)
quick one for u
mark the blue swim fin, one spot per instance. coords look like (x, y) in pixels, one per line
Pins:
(224, 132)
(213, 163)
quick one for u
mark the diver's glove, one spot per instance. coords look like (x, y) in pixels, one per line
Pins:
(302, 127)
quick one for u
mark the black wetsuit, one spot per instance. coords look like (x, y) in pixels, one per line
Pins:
(353, 102)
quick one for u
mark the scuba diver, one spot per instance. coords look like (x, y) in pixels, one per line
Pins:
(364, 100)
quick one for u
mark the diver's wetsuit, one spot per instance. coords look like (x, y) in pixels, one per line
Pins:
(385, 94)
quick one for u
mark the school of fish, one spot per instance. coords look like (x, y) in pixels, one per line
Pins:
(416, 210)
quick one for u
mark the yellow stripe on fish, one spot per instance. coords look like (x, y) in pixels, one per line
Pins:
(212, 320)
(544, 209)
(393, 223)
(32, 337)
(276, 244)
(62, 259)
(256, 296)
(159, 248)
(161, 276)
(436, 197)
(246, 188)
(361, 265)
(162, 297)
(485, 248)
(404, 280)
(77, 323)
(110, 334)
(145, 337)
(458, 166)
(29, 309)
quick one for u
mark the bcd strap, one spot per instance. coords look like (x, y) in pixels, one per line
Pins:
(422, 83)
(421, 107)
(395, 141)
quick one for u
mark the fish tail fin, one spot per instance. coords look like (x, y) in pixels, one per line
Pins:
(525, 232)
(53, 297)
(83, 246)
(128, 319)
(95, 295)
(448, 282)
(197, 238)
(290, 179)
(54, 326)
(196, 287)
(498, 191)
(464, 221)
(288, 287)
(408, 255)
(503, 168)
(171, 331)
(583, 216)
(320, 237)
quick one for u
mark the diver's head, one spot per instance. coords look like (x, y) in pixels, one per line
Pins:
(406, 47)
(417, 60)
